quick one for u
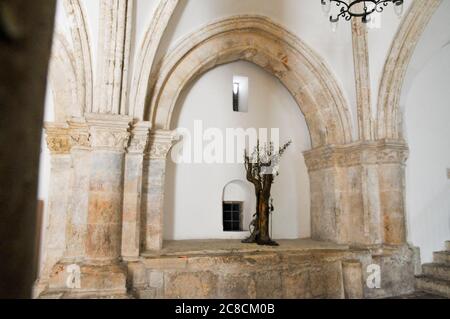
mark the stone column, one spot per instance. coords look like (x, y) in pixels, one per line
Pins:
(353, 279)
(161, 141)
(91, 265)
(78, 207)
(357, 192)
(109, 138)
(131, 225)
(58, 142)
(391, 179)
(362, 77)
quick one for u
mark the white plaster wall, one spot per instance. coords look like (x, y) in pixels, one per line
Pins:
(428, 187)
(426, 104)
(193, 202)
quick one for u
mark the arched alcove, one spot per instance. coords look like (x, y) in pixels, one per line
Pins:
(322, 112)
(270, 106)
(239, 192)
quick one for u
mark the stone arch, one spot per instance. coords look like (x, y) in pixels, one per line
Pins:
(150, 44)
(389, 119)
(258, 40)
(63, 80)
(76, 15)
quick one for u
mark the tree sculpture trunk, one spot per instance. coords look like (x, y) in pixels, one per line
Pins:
(261, 169)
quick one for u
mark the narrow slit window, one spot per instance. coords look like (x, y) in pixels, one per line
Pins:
(236, 97)
(240, 94)
(232, 216)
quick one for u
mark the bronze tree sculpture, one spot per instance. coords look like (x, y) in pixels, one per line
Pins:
(262, 168)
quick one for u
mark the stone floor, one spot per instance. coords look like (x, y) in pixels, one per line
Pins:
(207, 247)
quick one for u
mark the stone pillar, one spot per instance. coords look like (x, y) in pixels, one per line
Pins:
(353, 279)
(91, 266)
(58, 142)
(109, 138)
(131, 225)
(161, 141)
(391, 176)
(357, 192)
(78, 207)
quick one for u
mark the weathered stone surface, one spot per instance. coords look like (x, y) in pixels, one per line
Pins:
(236, 286)
(154, 168)
(357, 192)
(93, 278)
(296, 284)
(353, 279)
(301, 269)
(193, 285)
(132, 197)
(76, 229)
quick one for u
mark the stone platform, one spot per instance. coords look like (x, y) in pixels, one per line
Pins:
(301, 268)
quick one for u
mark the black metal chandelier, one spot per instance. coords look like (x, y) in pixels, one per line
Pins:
(359, 8)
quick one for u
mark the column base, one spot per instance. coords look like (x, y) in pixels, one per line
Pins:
(83, 280)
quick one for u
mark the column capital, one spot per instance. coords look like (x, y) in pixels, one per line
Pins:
(108, 132)
(161, 141)
(359, 153)
(139, 138)
(58, 138)
(79, 133)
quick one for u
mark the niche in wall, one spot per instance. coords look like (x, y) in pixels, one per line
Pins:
(194, 191)
(238, 206)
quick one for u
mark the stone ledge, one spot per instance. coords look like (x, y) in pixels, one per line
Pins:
(297, 269)
(93, 279)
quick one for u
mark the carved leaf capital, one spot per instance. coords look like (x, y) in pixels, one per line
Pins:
(58, 138)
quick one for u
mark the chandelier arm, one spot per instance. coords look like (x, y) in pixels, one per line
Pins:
(341, 3)
(347, 13)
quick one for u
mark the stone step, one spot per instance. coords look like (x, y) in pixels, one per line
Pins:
(447, 245)
(442, 257)
(110, 279)
(438, 271)
(433, 286)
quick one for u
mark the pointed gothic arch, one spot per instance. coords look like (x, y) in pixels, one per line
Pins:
(260, 41)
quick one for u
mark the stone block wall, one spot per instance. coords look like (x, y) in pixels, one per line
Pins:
(357, 192)
(294, 274)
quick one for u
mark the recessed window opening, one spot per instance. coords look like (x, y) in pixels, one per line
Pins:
(236, 97)
(240, 93)
(232, 216)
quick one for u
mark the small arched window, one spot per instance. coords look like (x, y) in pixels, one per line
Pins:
(237, 206)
